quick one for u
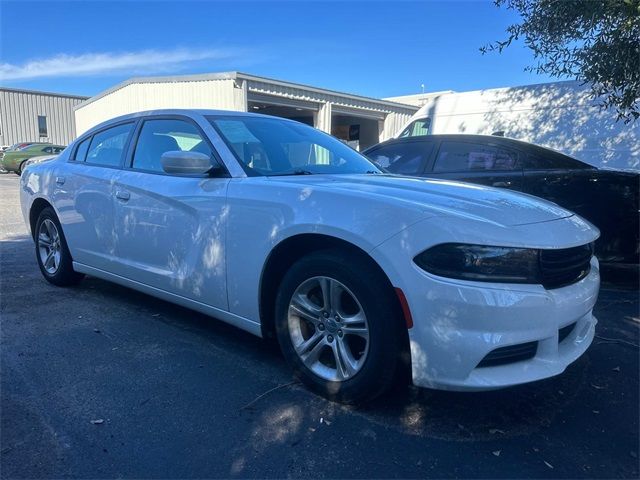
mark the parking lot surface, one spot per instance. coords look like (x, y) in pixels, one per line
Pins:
(101, 381)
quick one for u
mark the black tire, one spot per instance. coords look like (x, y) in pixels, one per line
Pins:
(64, 275)
(376, 298)
(21, 168)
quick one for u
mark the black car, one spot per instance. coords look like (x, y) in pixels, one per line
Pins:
(607, 198)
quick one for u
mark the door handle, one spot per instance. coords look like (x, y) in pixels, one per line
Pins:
(60, 180)
(123, 195)
(501, 184)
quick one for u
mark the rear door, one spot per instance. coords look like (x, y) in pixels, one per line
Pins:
(484, 163)
(84, 195)
(171, 229)
(563, 180)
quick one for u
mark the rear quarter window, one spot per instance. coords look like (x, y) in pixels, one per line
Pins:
(552, 160)
(81, 151)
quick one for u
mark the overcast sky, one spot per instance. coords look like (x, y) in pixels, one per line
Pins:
(372, 48)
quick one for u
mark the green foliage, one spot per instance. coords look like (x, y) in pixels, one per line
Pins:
(595, 41)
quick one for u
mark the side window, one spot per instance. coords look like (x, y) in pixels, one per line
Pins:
(403, 159)
(108, 146)
(47, 149)
(160, 136)
(81, 151)
(57, 149)
(552, 160)
(42, 125)
(462, 156)
(417, 128)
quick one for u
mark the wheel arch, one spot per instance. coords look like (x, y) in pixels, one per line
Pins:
(290, 250)
(36, 208)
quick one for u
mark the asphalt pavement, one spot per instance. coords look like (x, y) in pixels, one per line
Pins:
(99, 381)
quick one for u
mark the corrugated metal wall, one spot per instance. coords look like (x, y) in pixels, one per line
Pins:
(392, 125)
(19, 111)
(137, 97)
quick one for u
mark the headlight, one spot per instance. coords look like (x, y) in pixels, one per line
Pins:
(481, 263)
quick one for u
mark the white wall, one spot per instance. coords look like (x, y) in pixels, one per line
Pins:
(136, 97)
(557, 115)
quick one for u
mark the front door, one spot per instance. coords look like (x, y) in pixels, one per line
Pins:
(171, 229)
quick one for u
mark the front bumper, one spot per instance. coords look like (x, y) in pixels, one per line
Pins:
(9, 164)
(457, 324)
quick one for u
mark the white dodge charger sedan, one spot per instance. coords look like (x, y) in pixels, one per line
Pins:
(285, 232)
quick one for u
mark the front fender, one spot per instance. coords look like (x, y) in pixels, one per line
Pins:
(263, 212)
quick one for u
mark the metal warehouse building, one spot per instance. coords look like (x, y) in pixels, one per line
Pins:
(30, 116)
(360, 121)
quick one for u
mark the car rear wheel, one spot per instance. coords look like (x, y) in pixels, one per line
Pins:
(52, 252)
(338, 326)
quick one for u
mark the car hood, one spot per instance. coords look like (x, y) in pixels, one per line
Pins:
(440, 197)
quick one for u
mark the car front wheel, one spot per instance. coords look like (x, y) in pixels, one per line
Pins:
(52, 252)
(338, 326)
(21, 168)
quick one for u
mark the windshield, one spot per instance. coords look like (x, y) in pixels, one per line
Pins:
(271, 146)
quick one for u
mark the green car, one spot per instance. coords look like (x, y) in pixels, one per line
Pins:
(15, 158)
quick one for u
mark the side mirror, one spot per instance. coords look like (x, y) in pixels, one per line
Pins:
(187, 163)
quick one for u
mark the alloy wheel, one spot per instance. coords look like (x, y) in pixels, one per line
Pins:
(328, 328)
(49, 246)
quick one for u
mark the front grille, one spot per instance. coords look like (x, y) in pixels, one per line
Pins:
(564, 332)
(510, 354)
(565, 266)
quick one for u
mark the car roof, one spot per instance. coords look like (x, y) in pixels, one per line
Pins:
(182, 111)
(521, 144)
(459, 136)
